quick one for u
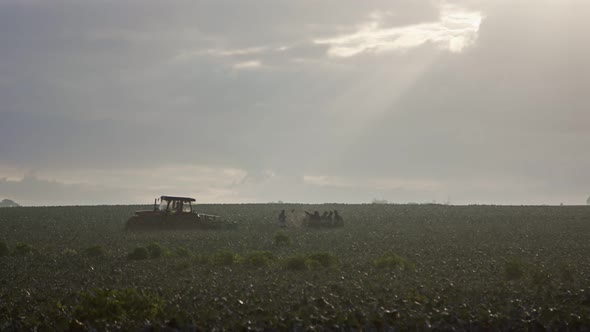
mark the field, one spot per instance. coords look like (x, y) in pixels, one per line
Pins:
(390, 267)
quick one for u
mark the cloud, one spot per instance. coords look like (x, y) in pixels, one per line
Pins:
(252, 64)
(373, 183)
(187, 55)
(121, 186)
(456, 29)
(31, 190)
(113, 92)
(498, 113)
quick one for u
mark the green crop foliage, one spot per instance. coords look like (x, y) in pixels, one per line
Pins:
(139, 253)
(201, 260)
(225, 258)
(22, 248)
(324, 259)
(182, 252)
(155, 250)
(391, 267)
(98, 305)
(567, 272)
(69, 252)
(4, 251)
(314, 260)
(514, 269)
(259, 258)
(391, 260)
(94, 251)
(297, 263)
(281, 239)
(540, 277)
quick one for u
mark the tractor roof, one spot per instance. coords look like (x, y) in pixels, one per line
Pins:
(175, 198)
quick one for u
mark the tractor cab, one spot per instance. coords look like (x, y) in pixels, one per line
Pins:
(174, 205)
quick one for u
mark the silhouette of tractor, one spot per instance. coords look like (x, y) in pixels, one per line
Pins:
(174, 213)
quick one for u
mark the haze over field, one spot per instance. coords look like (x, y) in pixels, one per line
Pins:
(116, 102)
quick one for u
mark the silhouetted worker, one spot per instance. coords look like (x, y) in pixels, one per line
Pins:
(316, 216)
(175, 207)
(337, 218)
(282, 219)
(325, 215)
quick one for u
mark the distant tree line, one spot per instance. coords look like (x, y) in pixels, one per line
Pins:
(384, 201)
(8, 203)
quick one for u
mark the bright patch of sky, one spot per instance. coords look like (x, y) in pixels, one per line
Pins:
(378, 183)
(252, 64)
(456, 29)
(218, 52)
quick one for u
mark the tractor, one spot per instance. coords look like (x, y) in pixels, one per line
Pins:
(172, 212)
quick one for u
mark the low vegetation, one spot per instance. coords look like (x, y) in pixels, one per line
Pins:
(392, 260)
(139, 253)
(259, 258)
(95, 251)
(391, 267)
(155, 250)
(4, 251)
(281, 239)
(22, 248)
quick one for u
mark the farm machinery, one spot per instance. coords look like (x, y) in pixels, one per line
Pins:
(171, 212)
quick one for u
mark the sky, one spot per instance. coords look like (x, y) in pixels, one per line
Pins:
(231, 101)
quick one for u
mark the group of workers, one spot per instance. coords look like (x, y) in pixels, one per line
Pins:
(328, 218)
